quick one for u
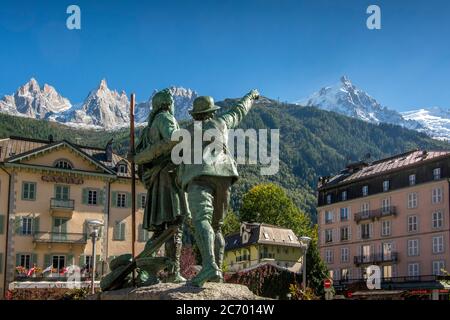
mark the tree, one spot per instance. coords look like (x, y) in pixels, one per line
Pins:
(269, 203)
(231, 224)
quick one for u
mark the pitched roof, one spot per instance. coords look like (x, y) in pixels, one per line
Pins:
(14, 148)
(261, 233)
(394, 163)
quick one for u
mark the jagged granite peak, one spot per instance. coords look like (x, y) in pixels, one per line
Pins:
(347, 99)
(31, 101)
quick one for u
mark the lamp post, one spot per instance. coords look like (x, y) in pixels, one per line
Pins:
(305, 241)
(94, 232)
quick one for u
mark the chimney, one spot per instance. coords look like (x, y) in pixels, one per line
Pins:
(108, 151)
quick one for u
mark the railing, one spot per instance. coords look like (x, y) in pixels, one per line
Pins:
(266, 255)
(68, 204)
(56, 278)
(56, 237)
(395, 280)
(376, 214)
(244, 257)
(376, 258)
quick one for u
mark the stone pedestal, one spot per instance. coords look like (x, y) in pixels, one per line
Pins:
(174, 291)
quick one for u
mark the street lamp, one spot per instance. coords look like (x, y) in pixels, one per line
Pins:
(305, 241)
(94, 227)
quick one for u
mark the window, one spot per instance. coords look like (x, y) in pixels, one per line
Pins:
(142, 201)
(92, 197)
(386, 228)
(329, 235)
(25, 261)
(386, 185)
(345, 255)
(328, 198)
(387, 272)
(329, 256)
(413, 224)
(387, 248)
(59, 262)
(344, 214)
(365, 191)
(344, 195)
(413, 247)
(438, 267)
(438, 244)
(344, 274)
(412, 200)
(119, 231)
(266, 236)
(413, 270)
(386, 205)
(62, 192)
(412, 179)
(436, 195)
(365, 208)
(331, 274)
(88, 262)
(122, 168)
(26, 226)
(63, 164)
(437, 220)
(29, 191)
(366, 253)
(121, 200)
(329, 217)
(345, 233)
(366, 230)
(436, 173)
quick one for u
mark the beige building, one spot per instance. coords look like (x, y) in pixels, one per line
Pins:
(258, 243)
(393, 213)
(49, 190)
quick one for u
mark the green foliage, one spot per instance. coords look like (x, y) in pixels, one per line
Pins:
(231, 224)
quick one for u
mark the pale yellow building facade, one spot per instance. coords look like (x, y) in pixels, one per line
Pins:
(49, 191)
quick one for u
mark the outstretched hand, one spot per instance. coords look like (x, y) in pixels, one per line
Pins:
(255, 94)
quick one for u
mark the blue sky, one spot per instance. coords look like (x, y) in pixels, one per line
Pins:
(285, 48)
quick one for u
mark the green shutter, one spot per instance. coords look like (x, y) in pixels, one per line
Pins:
(18, 225)
(122, 231)
(81, 261)
(1, 262)
(64, 226)
(116, 231)
(34, 259)
(32, 191)
(70, 260)
(114, 199)
(25, 191)
(128, 200)
(2, 224)
(85, 196)
(47, 261)
(17, 259)
(140, 233)
(101, 197)
(36, 225)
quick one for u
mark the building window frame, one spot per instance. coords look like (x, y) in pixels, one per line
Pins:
(412, 179)
(413, 200)
(29, 191)
(413, 247)
(329, 256)
(344, 195)
(413, 223)
(63, 164)
(413, 269)
(92, 197)
(343, 214)
(345, 254)
(438, 244)
(328, 198)
(365, 191)
(26, 226)
(386, 185)
(436, 195)
(121, 200)
(437, 219)
(386, 228)
(328, 235)
(437, 173)
(437, 267)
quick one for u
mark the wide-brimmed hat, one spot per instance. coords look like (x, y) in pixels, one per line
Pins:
(203, 104)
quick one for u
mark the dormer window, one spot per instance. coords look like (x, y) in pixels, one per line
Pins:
(344, 195)
(63, 164)
(122, 168)
(386, 185)
(436, 173)
(328, 198)
(365, 191)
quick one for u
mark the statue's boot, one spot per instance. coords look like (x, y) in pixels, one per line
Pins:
(173, 251)
(205, 240)
(219, 251)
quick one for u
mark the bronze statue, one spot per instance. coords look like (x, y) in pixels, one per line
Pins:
(208, 183)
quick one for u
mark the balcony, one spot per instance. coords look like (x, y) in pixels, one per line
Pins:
(378, 258)
(375, 214)
(64, 207)
(56, 237)
(266, 255)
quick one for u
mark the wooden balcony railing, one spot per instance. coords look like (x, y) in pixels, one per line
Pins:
(375, 214)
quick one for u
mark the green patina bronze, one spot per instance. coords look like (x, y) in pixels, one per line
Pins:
(208, 184)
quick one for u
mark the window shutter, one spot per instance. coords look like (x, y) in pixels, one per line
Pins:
(358, 232)
(33, 191)
(323, 216)
(1, 262)
(116, 231)
(334, 235)
(349, 232)
(350, 218)
(323, 237)
(2, 224)
(81, 261)
(338, 215)
(64, 226)
(140, 233)
(70, 260)
(34, 259)
(36, 225)
(122, 231)
(114, 199)
(85, 196)
(47, 261)
(17, 259)
(101, 197)
(359, 251)
(18, 225)
(371, 230)
(128, 200)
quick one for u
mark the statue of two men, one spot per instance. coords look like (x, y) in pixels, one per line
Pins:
(201, 189)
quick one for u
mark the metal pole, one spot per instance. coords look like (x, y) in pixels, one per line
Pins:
(133, 181)
(94, 262)
(304, 268)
